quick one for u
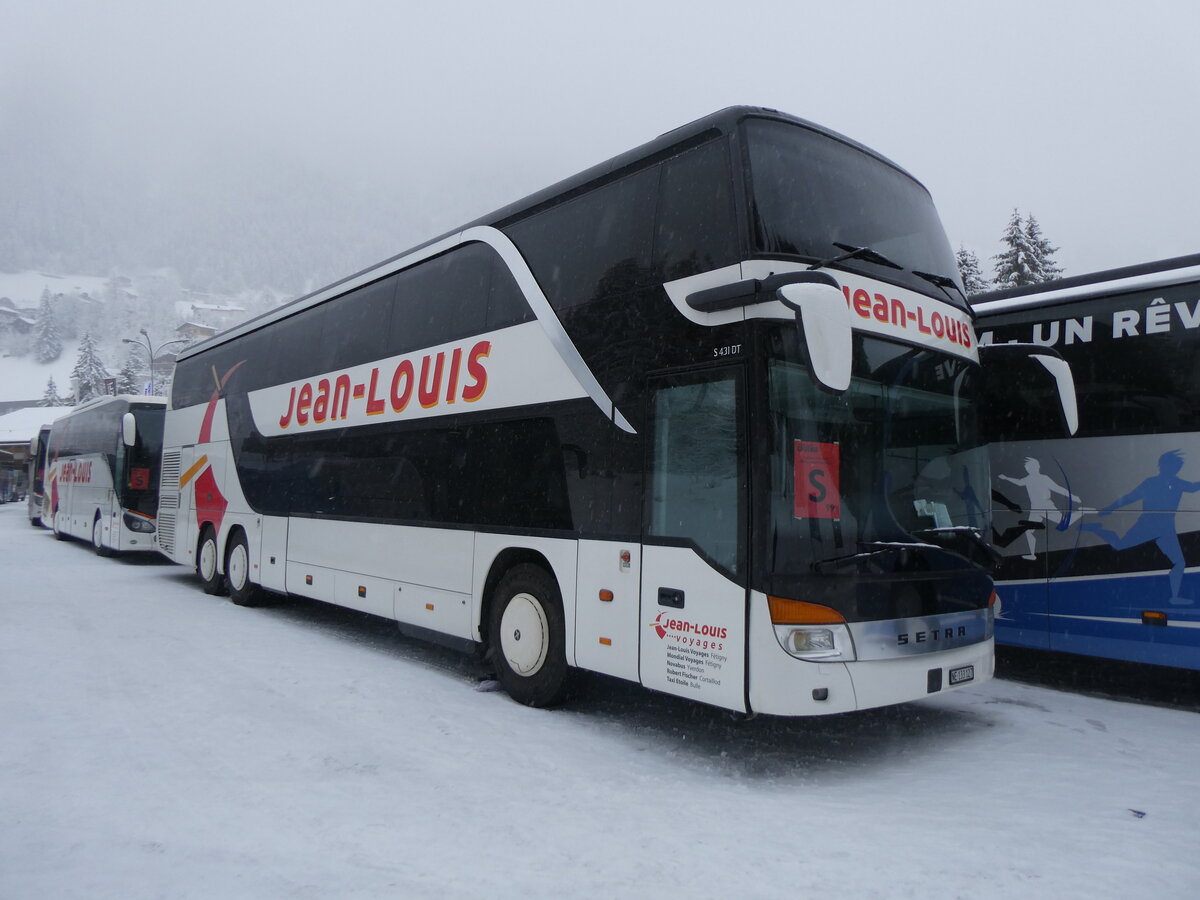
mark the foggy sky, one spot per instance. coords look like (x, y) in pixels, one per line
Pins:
(1083, 113)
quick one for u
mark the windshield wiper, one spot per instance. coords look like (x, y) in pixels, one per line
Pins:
(943, 282)
(977, 549)
(871, 551)
(866, 254)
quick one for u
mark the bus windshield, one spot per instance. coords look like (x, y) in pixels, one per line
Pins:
(139, 483)
(891, 468)
(812, 192)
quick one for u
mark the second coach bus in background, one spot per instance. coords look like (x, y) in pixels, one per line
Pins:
(704, 417)
(1100, 535)
(102, 473)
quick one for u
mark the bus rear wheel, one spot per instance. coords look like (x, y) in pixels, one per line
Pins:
(98, 537)
(242, 590)
(206, 563)
(527, 637)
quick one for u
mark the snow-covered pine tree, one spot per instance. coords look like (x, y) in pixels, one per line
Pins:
(50, 397)
(47, 344)
(89, 372)
(968, 269)
(1015, 264)
(1043, 254)
(132, 377)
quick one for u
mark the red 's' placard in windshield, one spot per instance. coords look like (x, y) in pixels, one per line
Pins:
(816, 467)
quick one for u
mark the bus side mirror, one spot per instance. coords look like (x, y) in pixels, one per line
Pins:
(1060, 369)
(1029, 391)
(823, 316)
(128, 429)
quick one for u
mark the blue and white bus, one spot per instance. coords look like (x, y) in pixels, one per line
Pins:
(1100, 534)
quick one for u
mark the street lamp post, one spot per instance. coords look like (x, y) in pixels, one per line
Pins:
(148, 346)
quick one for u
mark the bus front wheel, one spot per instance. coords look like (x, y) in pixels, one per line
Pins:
(98, 537)
(206, 563)
(242, 590)
(526, 637)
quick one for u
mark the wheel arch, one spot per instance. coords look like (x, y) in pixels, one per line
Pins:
(205, 526)
(504, 561)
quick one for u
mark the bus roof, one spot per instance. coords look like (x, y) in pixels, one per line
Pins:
(1175, 270)
(667, 144)
(130, 399)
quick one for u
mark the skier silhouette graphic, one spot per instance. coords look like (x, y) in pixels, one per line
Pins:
(1041, 507)
(1160, 495)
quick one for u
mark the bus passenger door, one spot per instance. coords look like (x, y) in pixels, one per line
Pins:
(694, 552)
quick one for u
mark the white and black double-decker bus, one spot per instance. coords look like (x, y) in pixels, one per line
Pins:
(102, 473)
(703, 417)
(1100, 535)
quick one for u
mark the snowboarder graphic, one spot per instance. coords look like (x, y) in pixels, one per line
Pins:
(1041, 506)
(1160, 495)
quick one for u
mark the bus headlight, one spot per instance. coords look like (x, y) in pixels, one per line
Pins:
(140, 524)
(811, 631)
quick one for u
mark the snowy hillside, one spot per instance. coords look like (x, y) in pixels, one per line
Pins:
(111, 309)
(23, 378)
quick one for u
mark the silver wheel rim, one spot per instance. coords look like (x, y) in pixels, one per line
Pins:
(524, 634)
(208, 559)
(96, 530)
(235, 569)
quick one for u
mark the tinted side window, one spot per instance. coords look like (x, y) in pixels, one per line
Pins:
(442, 299)
(357, 329)
(506, 304)
(697, 228)
(593, 245)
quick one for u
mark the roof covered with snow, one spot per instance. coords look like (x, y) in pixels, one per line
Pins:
(21, 426)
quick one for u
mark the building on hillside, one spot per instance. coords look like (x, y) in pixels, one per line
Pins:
(194, 332)
(206, 312)
(15, 319)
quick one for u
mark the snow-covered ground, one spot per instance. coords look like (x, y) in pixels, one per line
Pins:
(158, 742)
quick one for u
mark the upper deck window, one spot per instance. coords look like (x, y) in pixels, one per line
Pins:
(810, 191)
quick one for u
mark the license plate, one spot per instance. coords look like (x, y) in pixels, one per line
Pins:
(962, 675)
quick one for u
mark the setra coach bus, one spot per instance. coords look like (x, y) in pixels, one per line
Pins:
(705, 417)
(1100, 535)
(102, 473)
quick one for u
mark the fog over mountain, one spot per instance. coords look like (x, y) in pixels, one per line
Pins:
(224, 221)
(286, 143)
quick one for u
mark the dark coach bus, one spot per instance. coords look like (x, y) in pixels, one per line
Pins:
(704, 417)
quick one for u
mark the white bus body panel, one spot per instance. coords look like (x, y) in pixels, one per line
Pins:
(273, 553)
(697, 651)
(607, 632)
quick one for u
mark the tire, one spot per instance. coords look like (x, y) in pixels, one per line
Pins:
(98, 537)
(242, 590)
(206, 563)
(58, 535)
(527, 638)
